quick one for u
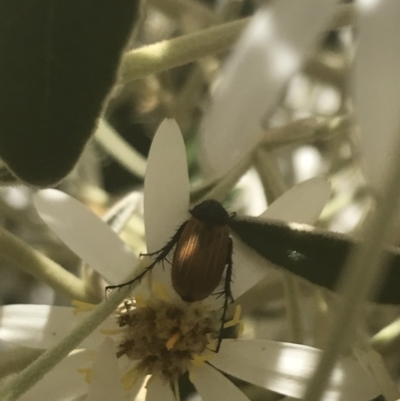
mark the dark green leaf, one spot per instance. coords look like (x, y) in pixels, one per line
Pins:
(315, 255)
(58, 62)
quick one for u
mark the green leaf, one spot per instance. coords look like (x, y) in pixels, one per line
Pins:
(58, 62)
(316, 255)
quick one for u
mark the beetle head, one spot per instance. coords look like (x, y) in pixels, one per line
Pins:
(210, 212)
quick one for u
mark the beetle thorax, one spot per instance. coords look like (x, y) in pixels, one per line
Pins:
(165, 337)
(210, 212)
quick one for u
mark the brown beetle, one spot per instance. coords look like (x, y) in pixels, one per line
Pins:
(203, 250)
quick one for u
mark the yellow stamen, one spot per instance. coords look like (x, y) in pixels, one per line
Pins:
(111, 332)
(161, 292)
(130, 378)
(87, 372)
(82, 306)
(173, 340)
(236, 320)
(140, 302)
(199, 360)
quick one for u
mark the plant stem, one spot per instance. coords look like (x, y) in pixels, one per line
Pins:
(388, 338)
(185, 49)
(182, 50)
(181, 9)
(121, 150)
(40, 266)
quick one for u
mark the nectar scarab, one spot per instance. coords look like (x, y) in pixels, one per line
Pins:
(203, 252)
(203, 249)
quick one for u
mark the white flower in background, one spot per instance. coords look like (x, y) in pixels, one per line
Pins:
(157, 333)
(376, 85)
(272, 49)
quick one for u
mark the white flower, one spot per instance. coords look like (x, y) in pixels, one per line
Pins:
(272, 49)
(280, 367)
(376, 85)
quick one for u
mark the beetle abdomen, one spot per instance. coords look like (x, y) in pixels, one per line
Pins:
(200, 258)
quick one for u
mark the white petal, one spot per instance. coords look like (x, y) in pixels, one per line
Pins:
(105, 383)
(285, 368)
(166, 186)
(249, 268)
(63, 383)
(86, 234)
(301, 204)
(214, 386)
(158, 390)
(272, 48)
(43, 326)
(377, 84)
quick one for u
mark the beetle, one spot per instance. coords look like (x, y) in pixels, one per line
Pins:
(203, 249)
(203, 252)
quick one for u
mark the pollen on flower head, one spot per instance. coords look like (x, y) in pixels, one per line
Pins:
(166, 337)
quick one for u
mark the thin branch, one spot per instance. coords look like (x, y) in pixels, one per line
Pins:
(388, 338)
(327, 67)
(120, 149)
(186, 49)
(21, 255)
(175, 52)
(180, 9)
(306, 130)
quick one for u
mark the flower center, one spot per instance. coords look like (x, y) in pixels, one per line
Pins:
(166, 337)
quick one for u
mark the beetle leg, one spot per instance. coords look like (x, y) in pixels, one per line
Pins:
(229, 269)
(228, 293)
(161, 255)
(150, 254)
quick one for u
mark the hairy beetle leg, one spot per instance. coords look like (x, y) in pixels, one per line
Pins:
(228, 295)
(162, 254)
